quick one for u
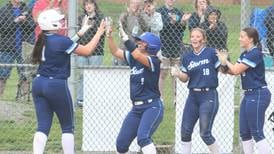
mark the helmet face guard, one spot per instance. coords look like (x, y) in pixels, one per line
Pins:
(153, 42)
(50, 20)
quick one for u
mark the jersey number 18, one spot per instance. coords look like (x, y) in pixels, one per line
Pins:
(205, 71)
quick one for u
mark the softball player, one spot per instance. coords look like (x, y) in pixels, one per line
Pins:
(50, 89)
(147, 111)
(257, 97)
(200, 68)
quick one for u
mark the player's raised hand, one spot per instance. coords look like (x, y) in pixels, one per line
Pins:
(122, 33)
(109, 23)
(85, 25)
(175, 71)
(102, 28)
(222, 56)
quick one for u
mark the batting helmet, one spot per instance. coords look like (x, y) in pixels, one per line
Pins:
(153, 41)
(50, 20)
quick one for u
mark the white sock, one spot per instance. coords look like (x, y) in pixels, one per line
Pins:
(214, 148)
(149, 149)
(186, 146)
(39, 142)
(248, 146)
(263, 147)
(68, 143)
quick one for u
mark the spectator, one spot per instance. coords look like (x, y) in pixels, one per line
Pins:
(269, 23)
(91, 11)
(41, 5)
(171, 38)
(152, 18)
(216, 31)
(133, 23)
(16, 26)
(197, 17)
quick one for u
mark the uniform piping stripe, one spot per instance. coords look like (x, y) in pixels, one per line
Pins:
(239, 60)
(72, 48)
(215, 102)
(151, 64)
(183, 69)
(249, 62)
(217, 64)
(153, 123)
(127, 56)
(70, 105)
(257, 116)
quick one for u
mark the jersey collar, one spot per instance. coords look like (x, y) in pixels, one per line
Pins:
(199, 51)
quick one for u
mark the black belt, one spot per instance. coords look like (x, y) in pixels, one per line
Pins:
(144, 101)
(255, 88)
(201, 89)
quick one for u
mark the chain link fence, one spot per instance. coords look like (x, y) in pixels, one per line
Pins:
(100, 83)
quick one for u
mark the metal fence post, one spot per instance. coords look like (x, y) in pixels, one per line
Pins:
(72, 14)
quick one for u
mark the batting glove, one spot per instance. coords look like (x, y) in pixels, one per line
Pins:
(85, 25)
(222, 56)
(122, 33)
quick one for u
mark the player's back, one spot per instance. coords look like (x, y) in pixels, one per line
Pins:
(56, 57)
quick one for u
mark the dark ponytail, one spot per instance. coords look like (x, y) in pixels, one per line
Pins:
(253, 33)
(36, 56)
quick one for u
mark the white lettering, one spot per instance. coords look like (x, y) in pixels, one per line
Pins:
(135, 71)
(194, 64)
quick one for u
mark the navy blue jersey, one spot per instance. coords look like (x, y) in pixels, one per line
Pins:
(202, 68)
(143, 80)
(254, 76)
(56, 56)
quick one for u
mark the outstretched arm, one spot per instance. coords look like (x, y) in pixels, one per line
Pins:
(86, 50)
(233, 69)
(115, 51)
(176, 72)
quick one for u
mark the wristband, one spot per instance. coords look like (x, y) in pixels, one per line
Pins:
(75, 37)
(130, 45)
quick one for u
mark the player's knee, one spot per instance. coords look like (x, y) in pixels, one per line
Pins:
(245, 136)
(185, 135)
(258, 136)
(43, 130)
(207, 138)
(121, 147)
(144, 141)
(68, 129)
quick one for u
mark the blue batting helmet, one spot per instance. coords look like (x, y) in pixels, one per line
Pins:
(153, 41)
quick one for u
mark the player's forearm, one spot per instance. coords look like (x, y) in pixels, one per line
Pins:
(93, 43)
(112, 46)
(140, 57)
(232, 69)
(115, 51)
